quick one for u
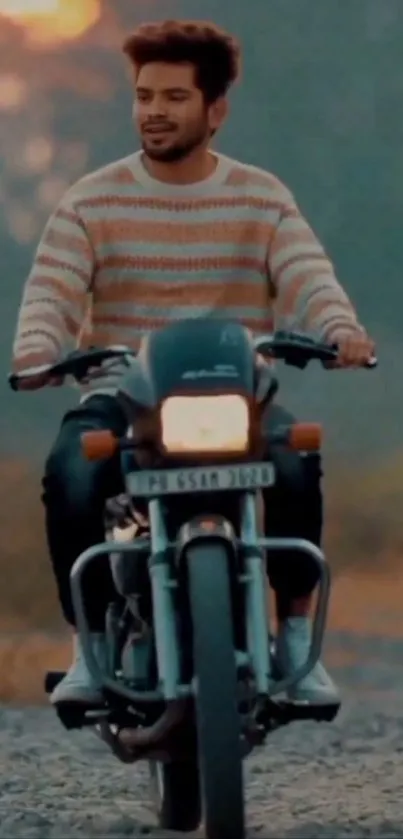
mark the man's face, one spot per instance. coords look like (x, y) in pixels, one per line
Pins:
(171, 114)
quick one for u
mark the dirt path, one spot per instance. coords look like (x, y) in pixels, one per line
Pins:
(341, 780)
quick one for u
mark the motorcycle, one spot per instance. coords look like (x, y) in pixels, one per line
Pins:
(190, 684)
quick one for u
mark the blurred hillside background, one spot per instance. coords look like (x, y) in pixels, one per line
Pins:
(320, 104)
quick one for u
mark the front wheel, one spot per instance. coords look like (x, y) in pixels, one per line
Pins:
(176, 793)
(218, 720)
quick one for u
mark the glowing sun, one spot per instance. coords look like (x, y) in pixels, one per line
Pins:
(51, 21)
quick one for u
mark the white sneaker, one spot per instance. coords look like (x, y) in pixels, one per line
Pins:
(78, 684)
(293, 642)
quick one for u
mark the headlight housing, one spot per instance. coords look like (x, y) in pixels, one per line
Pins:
(214, 424)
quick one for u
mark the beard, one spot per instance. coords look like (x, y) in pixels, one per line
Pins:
(177, 151)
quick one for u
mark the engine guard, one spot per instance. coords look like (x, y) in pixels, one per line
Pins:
(275, 687)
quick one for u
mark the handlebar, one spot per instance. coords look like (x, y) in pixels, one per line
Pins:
(291, 347)
(298, 350)
(76, 364)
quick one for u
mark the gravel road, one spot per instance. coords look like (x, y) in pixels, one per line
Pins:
(339, 780)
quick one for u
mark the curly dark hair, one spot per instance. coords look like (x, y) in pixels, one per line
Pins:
(214, 53)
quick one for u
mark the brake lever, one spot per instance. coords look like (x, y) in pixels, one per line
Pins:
(93, 362)
(14, 378)
(64, 369)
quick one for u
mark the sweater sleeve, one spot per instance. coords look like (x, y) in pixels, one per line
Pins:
(308, 295)
(55, 297)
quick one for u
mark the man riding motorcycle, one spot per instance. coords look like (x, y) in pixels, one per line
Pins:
(176, 230)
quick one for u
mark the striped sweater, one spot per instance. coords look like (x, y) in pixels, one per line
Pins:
(123, 254)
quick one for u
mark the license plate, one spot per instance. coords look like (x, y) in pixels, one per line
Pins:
(245, 476)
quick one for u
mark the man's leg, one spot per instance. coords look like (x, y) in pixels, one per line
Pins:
(74, 496)
(293, 508)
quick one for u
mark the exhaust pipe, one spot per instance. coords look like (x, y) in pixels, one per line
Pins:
(140, 738)
(131, 744)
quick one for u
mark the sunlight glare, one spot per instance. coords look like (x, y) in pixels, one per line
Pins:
(51, 21)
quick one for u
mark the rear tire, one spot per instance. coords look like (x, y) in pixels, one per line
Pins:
(218, 719)
(177, 793)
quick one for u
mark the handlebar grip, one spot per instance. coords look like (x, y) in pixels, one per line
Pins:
(13, 380)
(370, 365)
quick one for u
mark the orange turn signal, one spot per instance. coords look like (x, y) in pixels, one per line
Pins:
(305, 436)
(97, 445)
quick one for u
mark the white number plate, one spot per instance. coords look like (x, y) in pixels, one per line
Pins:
(245, 476)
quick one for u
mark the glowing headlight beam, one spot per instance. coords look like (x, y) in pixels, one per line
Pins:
(205, 424)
